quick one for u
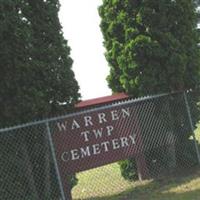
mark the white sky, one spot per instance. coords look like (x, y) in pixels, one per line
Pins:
(80, 21)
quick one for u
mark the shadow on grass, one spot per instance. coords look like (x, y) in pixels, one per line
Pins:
(171, 188)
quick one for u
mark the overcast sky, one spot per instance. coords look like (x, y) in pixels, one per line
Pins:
(80, 21)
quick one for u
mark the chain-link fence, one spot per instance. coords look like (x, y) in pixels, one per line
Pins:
(92, 153)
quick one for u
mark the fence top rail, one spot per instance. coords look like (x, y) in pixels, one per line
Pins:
(111, 105)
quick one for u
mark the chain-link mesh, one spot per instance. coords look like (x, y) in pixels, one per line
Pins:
(27, 168)
(144, 138)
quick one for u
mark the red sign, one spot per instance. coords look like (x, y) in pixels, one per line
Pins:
(95, 138)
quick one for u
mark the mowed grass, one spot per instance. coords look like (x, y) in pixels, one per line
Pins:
(106, 183)
(197, 133)
(99, 182)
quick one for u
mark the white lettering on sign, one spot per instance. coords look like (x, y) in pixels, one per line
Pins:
(65, 156)
(98, 133)
(124, 141)
(85, 134)
(126, 112)
(114, 115)
(132, 137)
(102, 118)
(62, 126)
(87, 120)
(105, 145)
(98, 148)
(75, 124)
(115, 144)
(85, 152)
(109, 130)
(95, 134)
(75, 154)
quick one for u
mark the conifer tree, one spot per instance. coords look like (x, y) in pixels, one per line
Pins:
(36, 78)
(36, 68)
(151, 47)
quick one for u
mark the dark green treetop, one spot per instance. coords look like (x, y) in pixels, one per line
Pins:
(36, 69)
(36, 78)
(151, 46)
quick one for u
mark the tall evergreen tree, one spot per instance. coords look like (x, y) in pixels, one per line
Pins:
(36, 77)
(36, 74)
(151, 47)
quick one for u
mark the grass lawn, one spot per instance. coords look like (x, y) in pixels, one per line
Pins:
(197, 133)
(95, 182)
(106, 183)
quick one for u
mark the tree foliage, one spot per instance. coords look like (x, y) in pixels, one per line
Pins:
(36, 78)
(36, 74)
(151, 46)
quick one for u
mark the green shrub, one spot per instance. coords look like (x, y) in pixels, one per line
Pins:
(128, 169)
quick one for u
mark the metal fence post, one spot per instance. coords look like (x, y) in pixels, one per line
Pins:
(191, 125)
(55, 162)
